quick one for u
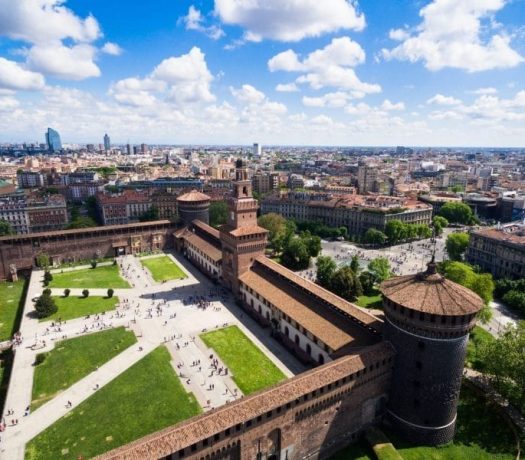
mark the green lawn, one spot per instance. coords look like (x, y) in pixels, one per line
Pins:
(479, 337)
(11, 307)
(107, 276)
(370, 301)
(144, 399)
(76, 307)
(252, 370)
(73, 359)
(163, 268)
(482, 434)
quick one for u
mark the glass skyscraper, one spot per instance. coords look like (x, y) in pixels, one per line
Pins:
(107, 143)
(54, 144)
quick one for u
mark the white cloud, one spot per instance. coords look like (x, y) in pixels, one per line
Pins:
(336, 99)
(451, 34)
(70, 63)
(14, 76)
(60, 40)
(195, 21)
(112, 49)
(488, 90)
(286, 87)
(289, 20)
(330, 66)
(322, 120)
(440, 99)
(248, 94)
(8, 103)
(181, 80)
(398, 34)
(390, 106)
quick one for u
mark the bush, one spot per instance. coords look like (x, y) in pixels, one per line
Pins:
(40, 358)
(110, 292)
(67, 292)
(45, 306)
(48, 277)
(367, 281)
(85, 293)
(46, 291)
(93, 264)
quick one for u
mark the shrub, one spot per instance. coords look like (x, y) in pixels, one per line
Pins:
(46, 291)
(48, 277)
(93, 264)
(40, 358)
(85, 293)
(110, 292)
(67, 292)
(45, 306)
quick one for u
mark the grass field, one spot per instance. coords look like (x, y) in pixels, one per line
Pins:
(107, 276)
(163, 268)
(370, 301)
(145, 398)
(478, 339)
(76, 307)
(11, 306)
(252, 370)
(73, 359)
(481, 434)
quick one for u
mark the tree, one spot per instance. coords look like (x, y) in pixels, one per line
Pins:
(367, 281)
(45, 306)
(354, 264)
(504, 359)
(67, 291)
(93, 264)
(295, 254)
(284, 236)
(218, 213)
(457, 213)
(456, 245)
(395, 231)
(326, 268)
(273, 222)
(346, 284)
(110, 292)
(5, 228)
(85, 293)
(374, 236)
(439, 223)
(82, 222)
(515, 299)
(48, 277)
(149, 215)
(312, 242)
(380, 269)
(42, 260)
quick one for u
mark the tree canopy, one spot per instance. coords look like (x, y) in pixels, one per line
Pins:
(45, 305)
(380, 269)
(374, 236)
(456, 245)
(326, 267)
(439, 223)
(218, 213)
(345, 284)
(5, 228)
(295, 254)
(458, 213)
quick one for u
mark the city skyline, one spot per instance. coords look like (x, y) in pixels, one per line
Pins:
(432, 73)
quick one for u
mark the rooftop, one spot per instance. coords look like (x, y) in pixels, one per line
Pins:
(429, 292)
(194, 195)
(512, 233)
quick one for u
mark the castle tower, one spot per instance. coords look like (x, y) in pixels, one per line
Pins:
(427, 319)
(193, 205)
(242, 239)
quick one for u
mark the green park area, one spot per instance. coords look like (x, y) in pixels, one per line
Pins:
(11, 307)
(370, 301)
(73, 359)
(75, 307)
(252, 370)
(105, 277)
(163, 268)
(482, 434)
(145, 398)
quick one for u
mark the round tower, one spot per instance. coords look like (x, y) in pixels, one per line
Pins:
(427, 319)
(193, 205)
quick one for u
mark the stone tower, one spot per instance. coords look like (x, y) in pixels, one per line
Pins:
(427, 319)
(241, 238)
(193, 205)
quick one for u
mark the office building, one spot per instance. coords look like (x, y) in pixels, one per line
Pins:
(54, 144)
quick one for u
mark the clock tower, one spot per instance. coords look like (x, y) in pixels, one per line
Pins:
(242, 239)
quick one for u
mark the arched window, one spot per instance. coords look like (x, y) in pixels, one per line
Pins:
(308, 349)
(286, 331)
(296, 339)
(321, 358)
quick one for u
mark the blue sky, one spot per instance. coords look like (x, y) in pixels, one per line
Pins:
(331, 72)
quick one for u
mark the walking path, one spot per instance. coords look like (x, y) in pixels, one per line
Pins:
(159, 313)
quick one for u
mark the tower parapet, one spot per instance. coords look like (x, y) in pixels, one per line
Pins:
(427, 319)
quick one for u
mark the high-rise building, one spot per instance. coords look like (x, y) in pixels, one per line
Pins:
(257, 148)
(367, 178)
(54, 144)
(143, 149)
(107, 143)
(128, 149)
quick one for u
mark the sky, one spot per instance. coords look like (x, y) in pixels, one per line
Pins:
(278, 72)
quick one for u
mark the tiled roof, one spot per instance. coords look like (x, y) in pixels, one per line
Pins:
(511, 234)
(184, 434)
(343, 305)
(431, 293)
(206, 247)
(194, 195)
(206, 228)
(249, 230)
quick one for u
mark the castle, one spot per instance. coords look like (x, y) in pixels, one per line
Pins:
(404, 370)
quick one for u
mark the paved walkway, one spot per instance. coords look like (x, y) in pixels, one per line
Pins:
(158, 313)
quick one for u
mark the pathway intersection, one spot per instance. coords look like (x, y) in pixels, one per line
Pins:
(158, 313)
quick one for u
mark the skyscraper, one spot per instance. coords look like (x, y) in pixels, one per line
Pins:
(257, 149)
(107, 143)
(54, 144)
